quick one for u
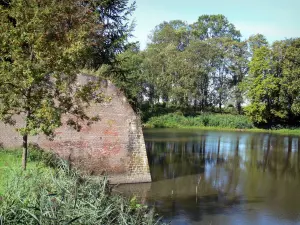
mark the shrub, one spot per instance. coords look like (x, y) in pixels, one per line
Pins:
(205, 120)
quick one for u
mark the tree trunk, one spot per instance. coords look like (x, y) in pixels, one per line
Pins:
(238, 98)
(220, 102)
(239, 108)
(25, 151)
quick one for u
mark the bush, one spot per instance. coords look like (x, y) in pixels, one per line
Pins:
(205, 120)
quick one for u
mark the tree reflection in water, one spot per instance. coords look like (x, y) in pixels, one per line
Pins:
(208, 176)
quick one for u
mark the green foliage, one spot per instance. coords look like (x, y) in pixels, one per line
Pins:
(291, 77)
(125, 73)
(148, 111)
(205, 66)
(61, 196)
(273, 84)
(114, 29)
(211, 26)
(40, 56)
(10, 160)
(175, 31)
(38, 155)
(135, 205)
(257, 41)
(204, 120)
(43, 44)
(184, 66)
(7, 160)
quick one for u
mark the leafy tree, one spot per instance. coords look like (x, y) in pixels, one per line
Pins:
(273, 85)
(180, 78)
(214, 26)
(187, 59)
(127, 74)
(264, 88)
(200, 56)
(154, 72)
(288, 66)
(220, 73)
(238, 69)
(206, 64)
(292, 74)
(257, 41)
(175, 31)
(42, 46)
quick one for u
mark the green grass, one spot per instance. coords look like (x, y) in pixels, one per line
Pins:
(10, 160)
(6, 162)
(47, 195)
(213, 122)
(292, 131)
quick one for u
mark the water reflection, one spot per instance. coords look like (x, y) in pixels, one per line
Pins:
(210, 177)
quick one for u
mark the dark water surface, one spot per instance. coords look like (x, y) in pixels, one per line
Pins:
(218, 177)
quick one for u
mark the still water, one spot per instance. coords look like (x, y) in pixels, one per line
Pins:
(226, 178)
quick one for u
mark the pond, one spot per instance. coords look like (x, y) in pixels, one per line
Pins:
(218, 177)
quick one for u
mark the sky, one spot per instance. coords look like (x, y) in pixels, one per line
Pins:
(275, 19)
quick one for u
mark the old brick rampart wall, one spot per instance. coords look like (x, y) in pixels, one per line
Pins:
(113, 145)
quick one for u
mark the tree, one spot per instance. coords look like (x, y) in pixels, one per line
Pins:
(176, 32)
(219, 75)
(116, 28)
(263, 89)
(238, 69)
(286, 54)
(273, 84)
(127, 74)
(200, 56)
(256, 41)
(42, 46)
(214, 26)
(154, 71)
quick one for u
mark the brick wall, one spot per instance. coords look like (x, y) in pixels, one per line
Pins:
(114, 144)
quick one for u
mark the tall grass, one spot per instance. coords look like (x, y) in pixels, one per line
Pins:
(10, 159)
(42, 195)
(204, 120)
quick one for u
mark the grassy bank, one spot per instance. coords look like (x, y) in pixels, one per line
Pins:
(10, 160)
(213, 122)
(205, 120)
(45, 195)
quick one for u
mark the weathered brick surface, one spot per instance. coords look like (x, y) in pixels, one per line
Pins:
(114, 145)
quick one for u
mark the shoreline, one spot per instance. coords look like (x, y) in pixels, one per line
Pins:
(285, 131)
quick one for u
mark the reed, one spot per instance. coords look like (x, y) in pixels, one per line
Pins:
(60, 195)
